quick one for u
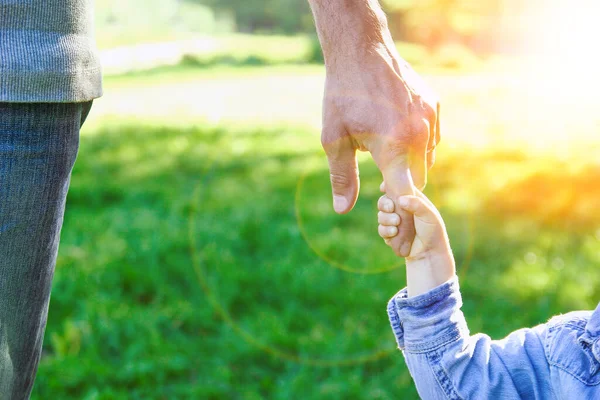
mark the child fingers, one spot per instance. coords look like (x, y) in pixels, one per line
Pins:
(385, 204)
(387, 232)
(382, 187)
(418, 207)
(388, 219)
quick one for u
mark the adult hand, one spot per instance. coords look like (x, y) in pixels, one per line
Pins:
(373, 102)
(383, 107)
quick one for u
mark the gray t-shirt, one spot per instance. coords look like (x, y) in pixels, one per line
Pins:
(47, 51)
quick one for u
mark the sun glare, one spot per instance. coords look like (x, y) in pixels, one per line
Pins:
(566, 38)
(555, 101)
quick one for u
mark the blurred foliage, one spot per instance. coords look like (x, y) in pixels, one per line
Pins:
(438, 22)
(256, 16)
(273, 50)
(139, 21)
(244, 50)
(431, 22)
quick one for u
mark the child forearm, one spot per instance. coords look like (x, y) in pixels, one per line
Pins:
(428, 271)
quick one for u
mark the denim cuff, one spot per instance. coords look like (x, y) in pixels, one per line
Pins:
(429, 320)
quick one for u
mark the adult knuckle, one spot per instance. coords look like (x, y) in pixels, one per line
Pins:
(324, 141)
(416, 135)
(331, 136)
(422, 135)
(397, 149)
(339, 179)
(327, 143)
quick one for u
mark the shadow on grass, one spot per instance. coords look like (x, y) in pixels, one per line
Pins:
(128, 318)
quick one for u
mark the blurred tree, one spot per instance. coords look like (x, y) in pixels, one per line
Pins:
(276, 16)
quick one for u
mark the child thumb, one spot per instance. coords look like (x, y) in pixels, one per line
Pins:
(416, 206)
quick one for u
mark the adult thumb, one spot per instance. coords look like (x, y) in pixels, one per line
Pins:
(343, 172)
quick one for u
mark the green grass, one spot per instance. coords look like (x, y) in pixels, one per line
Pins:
(187, 269)
(204, 261)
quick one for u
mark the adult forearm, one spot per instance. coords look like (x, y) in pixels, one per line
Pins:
(350, 30)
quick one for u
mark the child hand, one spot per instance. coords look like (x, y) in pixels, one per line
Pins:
(430, 235)
(430, 262)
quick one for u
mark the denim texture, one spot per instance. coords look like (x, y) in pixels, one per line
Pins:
(556, 360)
(38, 147)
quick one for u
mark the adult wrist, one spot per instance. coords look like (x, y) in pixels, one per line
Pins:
(350, 31)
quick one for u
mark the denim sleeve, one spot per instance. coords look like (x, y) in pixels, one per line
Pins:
(447, 363)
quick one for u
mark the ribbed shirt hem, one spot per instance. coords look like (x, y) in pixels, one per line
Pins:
(50, 87)
(47, 52)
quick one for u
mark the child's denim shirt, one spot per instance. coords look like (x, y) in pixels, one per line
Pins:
(557, 360)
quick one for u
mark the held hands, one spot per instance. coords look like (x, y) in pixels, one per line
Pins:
(382, 106)
(430, 231)
(430, 262)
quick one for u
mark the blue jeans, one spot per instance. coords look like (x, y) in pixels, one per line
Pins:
(38, 147)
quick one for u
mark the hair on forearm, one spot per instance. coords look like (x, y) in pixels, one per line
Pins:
(348, 26)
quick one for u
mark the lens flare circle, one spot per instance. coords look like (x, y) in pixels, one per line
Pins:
(250, 338)
(318, 252)
(247, 336)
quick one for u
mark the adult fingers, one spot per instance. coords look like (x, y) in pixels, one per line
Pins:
(434, 136)
(418, 152)
(398, 182)
(430, 158)
(343, 171)
(437, 136)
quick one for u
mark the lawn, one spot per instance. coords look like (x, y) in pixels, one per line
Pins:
(201, 258)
